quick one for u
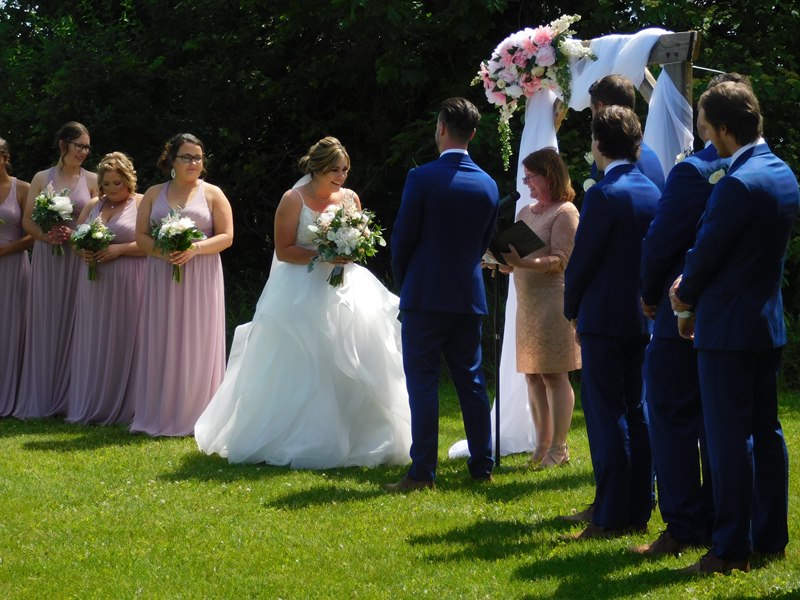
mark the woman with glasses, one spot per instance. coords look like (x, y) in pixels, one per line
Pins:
(546, 347)
(180, 357)
(44, 387)
(14, 273)
(108, 307)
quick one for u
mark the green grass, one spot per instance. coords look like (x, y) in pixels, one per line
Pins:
(91, 512)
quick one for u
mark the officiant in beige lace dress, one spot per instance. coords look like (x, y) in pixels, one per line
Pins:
(546, 349)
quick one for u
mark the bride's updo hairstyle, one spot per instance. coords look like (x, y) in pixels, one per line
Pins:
(323, 156)
(119, 163)
(547, 163)
(172, 147)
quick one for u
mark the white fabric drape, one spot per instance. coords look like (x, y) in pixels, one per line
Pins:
(671, 120)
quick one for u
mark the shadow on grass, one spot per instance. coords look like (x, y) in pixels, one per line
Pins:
(595, 573)
(60, 436)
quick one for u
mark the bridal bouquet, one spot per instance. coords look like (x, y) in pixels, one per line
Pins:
(92, 236)
(528, 62)
(345, 232)
(175, 233)
(50, 209)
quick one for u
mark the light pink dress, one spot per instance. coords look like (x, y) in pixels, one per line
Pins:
(180, 360)
(106, 327)
(46, 364)
(15, 270)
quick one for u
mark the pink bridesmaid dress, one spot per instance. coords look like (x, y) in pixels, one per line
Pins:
(15, 270)
(180, 358)
(106, 327)
(46, 365)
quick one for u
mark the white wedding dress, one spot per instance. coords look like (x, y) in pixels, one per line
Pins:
(316, 380)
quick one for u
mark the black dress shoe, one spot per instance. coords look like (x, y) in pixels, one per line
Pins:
(664, 544)
(584, 516)
(406, 484)
(711, 563)
(484, 478)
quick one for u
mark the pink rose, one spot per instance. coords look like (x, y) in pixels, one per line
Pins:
(546, 56)
(542, 36)
(530, 85)
(520, 59)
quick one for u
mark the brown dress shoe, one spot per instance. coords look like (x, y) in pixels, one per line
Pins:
(406, 484)
(594, 532)
(711, 563)
(584, 516)
(664, 544)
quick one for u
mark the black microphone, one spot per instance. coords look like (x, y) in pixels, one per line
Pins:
(507, 210)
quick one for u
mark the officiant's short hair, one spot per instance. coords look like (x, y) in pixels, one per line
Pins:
(735, 106)
(613, 90)
(461, 118)
(618, 133)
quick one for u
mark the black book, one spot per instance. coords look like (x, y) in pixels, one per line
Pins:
(519, 235)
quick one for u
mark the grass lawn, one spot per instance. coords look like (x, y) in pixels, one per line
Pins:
(92, 512)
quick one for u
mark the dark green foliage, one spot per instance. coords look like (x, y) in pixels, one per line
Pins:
(261, 81)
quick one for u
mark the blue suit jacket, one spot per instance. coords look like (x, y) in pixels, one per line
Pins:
(673, 230)
(648, 164)
(601, 282)
(443, 227)
(733, 273)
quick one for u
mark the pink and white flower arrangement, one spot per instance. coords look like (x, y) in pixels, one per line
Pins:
(528, 62)
(49, 209)
(345, 232)
(175, 233)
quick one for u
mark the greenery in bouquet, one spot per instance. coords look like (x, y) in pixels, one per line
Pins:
(92, 237)
(345, 232)
(51, 208)
(525, 63)
(175, 233)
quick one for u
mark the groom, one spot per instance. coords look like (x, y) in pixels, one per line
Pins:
(446, 218)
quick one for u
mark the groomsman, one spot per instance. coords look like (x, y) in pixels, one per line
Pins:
(670, 368)
(729, 298)
(446, 219)
(601, 297)
(617, 90)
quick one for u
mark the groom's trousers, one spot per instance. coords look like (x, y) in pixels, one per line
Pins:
(426, 337)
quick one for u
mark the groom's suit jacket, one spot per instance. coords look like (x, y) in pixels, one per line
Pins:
(733, 272)
(446, 219)
(673, 232)
(601, 282)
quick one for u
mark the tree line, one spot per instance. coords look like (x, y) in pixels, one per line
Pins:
(261, 81)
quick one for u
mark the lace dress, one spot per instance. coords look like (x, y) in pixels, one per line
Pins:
(316, 380)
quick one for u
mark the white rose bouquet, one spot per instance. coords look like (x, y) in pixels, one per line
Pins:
(92, 236)
(175, 233)
(50, 209)
(345, 232)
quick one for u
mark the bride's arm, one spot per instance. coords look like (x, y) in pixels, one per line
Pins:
(287, 217)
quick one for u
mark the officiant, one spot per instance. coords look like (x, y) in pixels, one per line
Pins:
(545, 343)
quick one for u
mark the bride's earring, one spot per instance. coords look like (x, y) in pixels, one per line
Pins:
(172, 173)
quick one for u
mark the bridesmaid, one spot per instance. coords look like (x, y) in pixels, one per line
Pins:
(54, 279)
(14, 273)
(180, 359)
(108, 309)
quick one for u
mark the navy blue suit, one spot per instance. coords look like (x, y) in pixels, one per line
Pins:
(670, 369)
(601, 291)
(648, 164)
(732, 277)
(446, 219)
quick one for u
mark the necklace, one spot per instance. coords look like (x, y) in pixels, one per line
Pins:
(113, 205)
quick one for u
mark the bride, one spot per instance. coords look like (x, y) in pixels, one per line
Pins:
(315, 381)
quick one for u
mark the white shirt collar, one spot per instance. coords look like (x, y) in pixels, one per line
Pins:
(615, 164)
(454, 150)
(745, 148)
